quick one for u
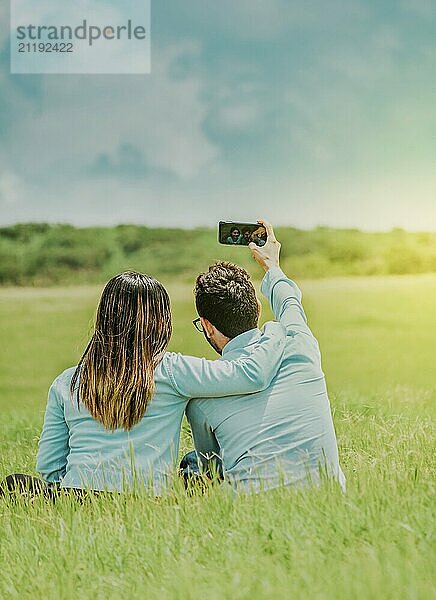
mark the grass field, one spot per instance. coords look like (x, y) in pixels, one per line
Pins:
(378, 339)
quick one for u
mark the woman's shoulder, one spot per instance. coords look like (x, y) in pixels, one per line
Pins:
(165, 367)
(63, 380)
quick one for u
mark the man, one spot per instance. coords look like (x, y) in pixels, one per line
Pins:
(284, 434)
(246, 237)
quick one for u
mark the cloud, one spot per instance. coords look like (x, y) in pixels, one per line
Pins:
(127, 161)
(421, 8)
(80, 119)
(260, 20)
(11, 188)
(313, 112)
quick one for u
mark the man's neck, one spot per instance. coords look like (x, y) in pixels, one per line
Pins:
(241, 339)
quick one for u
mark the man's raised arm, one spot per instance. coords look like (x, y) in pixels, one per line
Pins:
(283, 294)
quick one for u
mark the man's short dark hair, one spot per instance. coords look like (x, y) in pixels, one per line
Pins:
(226, 297)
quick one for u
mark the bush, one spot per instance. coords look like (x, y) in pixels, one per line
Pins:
(37, 253)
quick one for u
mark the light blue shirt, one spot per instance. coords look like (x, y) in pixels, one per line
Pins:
(284, 433)
(77, 451)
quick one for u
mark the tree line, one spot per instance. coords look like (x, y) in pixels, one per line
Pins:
(43, 254)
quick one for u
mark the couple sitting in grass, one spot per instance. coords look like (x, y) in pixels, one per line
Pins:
(260, 415)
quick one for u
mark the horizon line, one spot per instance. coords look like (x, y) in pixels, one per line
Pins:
(212, 227)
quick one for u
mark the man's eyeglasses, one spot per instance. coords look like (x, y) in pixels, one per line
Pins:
(197, 324)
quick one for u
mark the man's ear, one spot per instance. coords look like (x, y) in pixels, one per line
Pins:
(208, 328)
(259, 308)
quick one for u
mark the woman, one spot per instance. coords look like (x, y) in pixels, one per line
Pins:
(234, 237)
(113, 422)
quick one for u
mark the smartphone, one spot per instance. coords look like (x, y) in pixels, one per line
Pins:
(231, 233)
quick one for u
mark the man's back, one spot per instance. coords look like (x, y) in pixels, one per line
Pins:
(285, 433)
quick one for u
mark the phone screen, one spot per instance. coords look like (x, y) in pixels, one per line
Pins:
(241, 234)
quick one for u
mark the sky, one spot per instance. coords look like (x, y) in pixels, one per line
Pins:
(306, 113)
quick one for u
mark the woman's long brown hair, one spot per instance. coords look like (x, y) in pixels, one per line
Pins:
(116, 372)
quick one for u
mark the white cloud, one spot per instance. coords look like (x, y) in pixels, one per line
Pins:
(79, 118)
(378, 202)
(239, 117)
(339, 130)
(11, 188)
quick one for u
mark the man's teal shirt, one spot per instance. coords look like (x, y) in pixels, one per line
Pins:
(285, 432)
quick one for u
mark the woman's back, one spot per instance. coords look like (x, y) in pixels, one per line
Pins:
(102, 459)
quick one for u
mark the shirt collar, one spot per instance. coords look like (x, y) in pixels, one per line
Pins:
(240, 341)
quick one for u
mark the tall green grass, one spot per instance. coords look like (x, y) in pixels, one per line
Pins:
(378, 343)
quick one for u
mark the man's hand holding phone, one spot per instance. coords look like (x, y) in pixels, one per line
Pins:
(268, 255)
